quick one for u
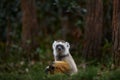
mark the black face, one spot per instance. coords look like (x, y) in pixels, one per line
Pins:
(60, 48)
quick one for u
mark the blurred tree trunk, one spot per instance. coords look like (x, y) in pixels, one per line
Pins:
(64, 25)
(63, 21)
(29, 27)
(116, 32)
(8, 38)
(93, 30)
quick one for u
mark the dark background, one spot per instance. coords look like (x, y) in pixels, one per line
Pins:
(29, 27)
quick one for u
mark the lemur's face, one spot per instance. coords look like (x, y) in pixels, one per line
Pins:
(61, 47)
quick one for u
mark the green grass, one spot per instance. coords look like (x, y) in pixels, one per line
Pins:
(35, 71)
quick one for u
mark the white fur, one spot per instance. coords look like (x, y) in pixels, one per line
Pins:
(68, 59)
(66, 45)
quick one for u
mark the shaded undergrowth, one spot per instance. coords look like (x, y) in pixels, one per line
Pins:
(35, 71)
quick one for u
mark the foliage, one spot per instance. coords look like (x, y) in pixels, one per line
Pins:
(113, 75)
(15, 66)
(35, 71)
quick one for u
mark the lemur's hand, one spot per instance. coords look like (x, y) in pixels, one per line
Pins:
(58, 67)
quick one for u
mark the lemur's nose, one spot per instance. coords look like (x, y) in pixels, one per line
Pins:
(59, 47)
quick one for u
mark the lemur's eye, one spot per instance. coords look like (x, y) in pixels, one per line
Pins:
(67, 44)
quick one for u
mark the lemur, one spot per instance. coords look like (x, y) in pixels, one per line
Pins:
(64, 62)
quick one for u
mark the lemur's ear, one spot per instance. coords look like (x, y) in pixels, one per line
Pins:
(53, 45)
(68, 45)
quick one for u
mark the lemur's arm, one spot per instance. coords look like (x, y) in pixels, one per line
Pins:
(58, 67)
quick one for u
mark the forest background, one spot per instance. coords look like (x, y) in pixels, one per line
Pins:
(29, 27)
